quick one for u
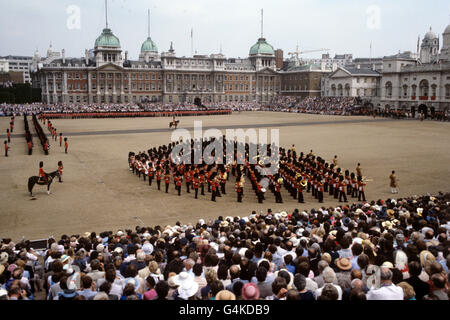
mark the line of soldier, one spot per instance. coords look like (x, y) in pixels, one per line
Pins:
(8, 135)
(41, 135)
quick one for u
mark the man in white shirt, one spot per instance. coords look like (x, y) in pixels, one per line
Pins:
(387, 290)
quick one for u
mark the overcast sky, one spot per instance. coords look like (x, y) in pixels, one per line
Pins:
(344, 26)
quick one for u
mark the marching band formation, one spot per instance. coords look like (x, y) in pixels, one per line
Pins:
(295, 173)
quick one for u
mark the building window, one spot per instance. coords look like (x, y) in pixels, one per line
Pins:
(388, 88)
(423, 88)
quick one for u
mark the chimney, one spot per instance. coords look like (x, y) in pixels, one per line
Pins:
(86, 56)
(63, 53)
(126, 55)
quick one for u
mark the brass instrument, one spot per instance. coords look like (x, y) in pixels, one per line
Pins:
(241, 183)
(303, 183)
(280, 180)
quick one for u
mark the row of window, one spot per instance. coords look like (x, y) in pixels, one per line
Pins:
(346, 92)
(423, 89)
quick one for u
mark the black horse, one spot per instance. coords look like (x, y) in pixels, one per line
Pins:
(174, 123)
(35, 180)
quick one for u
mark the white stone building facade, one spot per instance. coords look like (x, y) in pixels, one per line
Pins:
(418, 84)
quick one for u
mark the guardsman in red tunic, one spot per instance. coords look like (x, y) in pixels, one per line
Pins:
(342, 189)
(11, 126)
(348, 182)
(300, 191)
(6, 148)
(361, 185)
(150, 173)
(178, 181)
(239, 190)
(354, 183)
(187, 177)
(201, 181)
(60, 139)
(223, 180)
(337, 187)
(259, 192)
(320, 189)
(208, 175)
(308, 179)
(167, 180)
(158, 178)
(30, 147)
(66, 145)
(42, 175)
(213, 190)
(196, 183)
(46, 147)
(278, 198)
(8, 135)
(60, 170)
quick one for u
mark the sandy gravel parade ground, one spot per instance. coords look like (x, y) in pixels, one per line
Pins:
(99, 192)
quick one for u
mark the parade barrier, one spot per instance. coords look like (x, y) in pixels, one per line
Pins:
(136, 114)
(28, 136)
(41, 134)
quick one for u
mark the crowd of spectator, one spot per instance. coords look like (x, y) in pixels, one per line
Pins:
(312, 105)
(379, 250)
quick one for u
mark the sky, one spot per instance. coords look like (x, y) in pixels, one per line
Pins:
(344, 26)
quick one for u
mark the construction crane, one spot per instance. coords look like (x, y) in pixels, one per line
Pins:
(297, 53)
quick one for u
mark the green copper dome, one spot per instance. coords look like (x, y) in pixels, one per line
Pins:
(149, 45)
(262, 47)
(107, 39)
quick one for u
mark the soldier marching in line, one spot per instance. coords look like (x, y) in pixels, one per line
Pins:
(158, 178)
(196, 184)
(6, 148)
(212, 186)
(239, 189)
(278, 198)
(361, 185)
(167, 180)
(320, 191)
(342, 189)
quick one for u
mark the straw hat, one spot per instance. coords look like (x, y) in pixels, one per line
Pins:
(343, 264)
(426, 258)
(225, 295)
